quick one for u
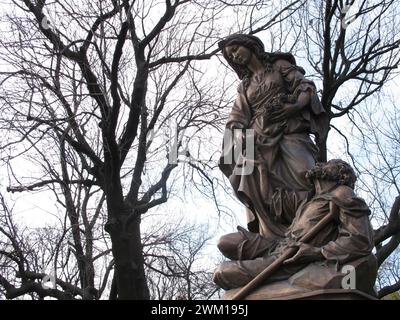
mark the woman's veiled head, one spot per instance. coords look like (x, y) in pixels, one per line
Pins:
(250, 42)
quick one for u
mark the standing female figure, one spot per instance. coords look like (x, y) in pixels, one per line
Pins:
(282, 108)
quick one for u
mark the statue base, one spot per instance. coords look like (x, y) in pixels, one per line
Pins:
(284, 291)
(319, 281)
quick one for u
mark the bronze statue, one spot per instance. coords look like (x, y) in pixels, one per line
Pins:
(345, 240)
(282, 108)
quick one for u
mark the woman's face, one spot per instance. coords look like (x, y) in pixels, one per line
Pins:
(238, 54)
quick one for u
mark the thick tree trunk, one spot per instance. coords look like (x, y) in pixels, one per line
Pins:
(129, 262)
(321, 141)
(322, 153)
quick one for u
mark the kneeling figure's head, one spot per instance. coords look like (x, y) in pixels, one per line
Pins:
(333, 170)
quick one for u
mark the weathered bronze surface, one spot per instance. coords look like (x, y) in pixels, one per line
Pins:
(282, 108)
(286, 193)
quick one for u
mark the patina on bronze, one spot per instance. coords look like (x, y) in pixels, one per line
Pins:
(281, 107)
(331, 229)
(287, 254)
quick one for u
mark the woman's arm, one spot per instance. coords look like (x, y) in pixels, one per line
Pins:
(240, 115)
(290, 109)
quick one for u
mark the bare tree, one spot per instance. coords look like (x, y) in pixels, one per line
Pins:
(389, 277)
(353, 49)
(177, 262)
(374, 152)
(95, 82)
(43, 263)
(25, 254)
(83, 86)
(90, 93)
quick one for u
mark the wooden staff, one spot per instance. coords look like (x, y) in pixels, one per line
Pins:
(288, 253)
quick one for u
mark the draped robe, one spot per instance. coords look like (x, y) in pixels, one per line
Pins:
(346, 240)
(284, 150)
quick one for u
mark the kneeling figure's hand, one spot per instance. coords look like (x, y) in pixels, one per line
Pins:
(306, 253)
